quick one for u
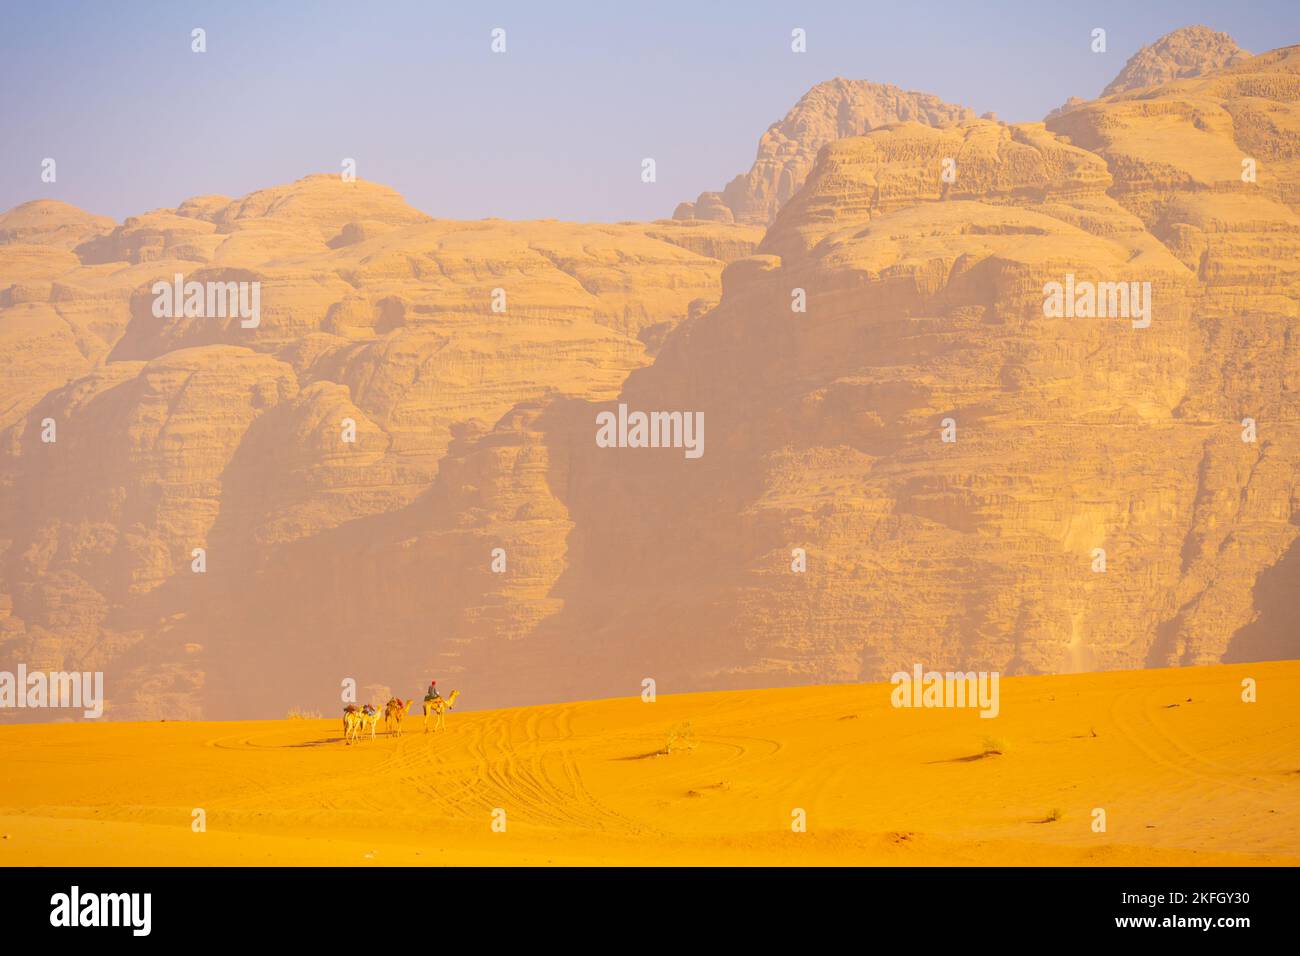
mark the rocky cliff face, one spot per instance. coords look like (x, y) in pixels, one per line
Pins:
(948, 457)
(179, 432)
(1217, 187)
(925, 304)
(787, 151)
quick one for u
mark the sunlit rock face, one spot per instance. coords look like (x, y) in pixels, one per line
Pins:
(1209, 165)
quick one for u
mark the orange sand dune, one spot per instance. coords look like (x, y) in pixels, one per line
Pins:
(1186, 771)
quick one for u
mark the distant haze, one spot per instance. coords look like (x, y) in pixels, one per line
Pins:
(555, 127)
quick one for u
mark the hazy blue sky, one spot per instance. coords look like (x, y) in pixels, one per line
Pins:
(556, 127)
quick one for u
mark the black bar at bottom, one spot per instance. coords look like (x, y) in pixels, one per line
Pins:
(375, 906)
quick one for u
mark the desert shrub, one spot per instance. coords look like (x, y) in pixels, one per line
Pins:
(681, 738)
(991, 746)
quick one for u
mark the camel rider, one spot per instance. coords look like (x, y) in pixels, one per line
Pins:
(433, 691)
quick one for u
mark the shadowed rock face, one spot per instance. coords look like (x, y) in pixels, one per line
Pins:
(787, 151)
(476, 430)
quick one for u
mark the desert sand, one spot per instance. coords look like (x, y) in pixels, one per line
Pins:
(1187, 773)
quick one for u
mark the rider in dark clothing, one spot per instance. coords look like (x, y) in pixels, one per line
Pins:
(432, 693)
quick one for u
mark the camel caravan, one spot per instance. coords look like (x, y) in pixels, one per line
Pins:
(357, 720)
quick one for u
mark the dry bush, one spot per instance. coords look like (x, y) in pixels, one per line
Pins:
(681, 738)
(994, 746)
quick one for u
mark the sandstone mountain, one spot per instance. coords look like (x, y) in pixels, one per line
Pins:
(176, 434)
(825, 428)
(786, 153)
(50, 223)
(1180, 55)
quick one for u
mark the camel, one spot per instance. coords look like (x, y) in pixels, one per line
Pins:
(352, 718)
(439, 706)
(370, 719)
(394, 711)
(357, 719)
